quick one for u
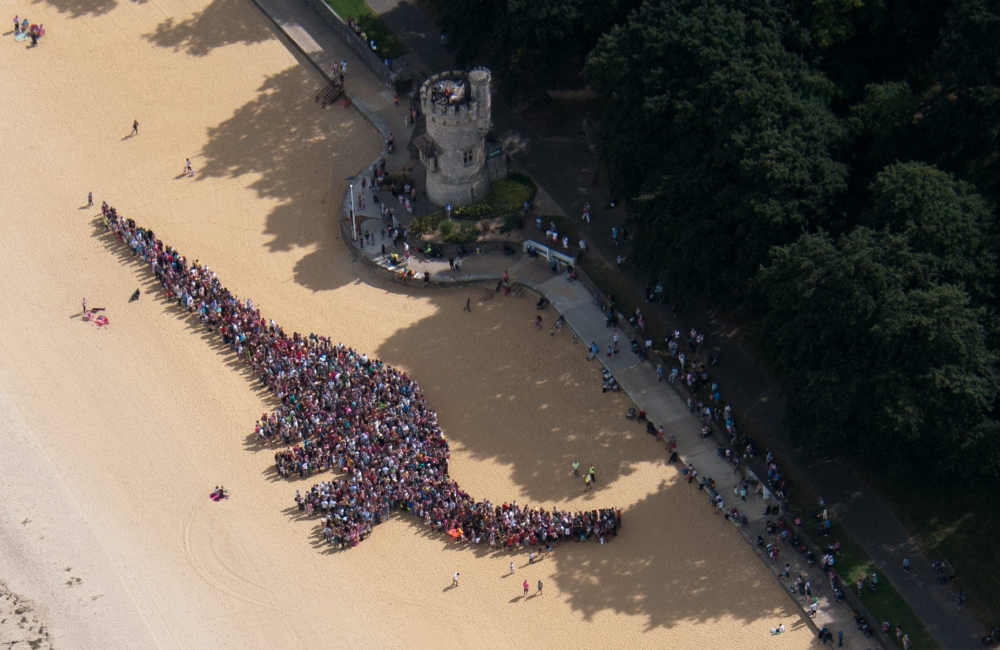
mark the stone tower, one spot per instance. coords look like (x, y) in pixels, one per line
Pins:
(456, 106)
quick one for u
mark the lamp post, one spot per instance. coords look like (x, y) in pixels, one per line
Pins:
(354, 221)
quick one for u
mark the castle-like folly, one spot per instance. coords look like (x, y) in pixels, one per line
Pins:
(456, 106)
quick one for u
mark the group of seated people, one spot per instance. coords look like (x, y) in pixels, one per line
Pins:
(341, 410)
(452, 93)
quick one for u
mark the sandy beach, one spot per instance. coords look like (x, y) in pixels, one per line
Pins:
(113, 438)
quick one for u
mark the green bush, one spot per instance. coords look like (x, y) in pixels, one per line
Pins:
(475, 211)
(446, 227)
(506, 195)
(464, 234)
(510, 193)
(426, 225)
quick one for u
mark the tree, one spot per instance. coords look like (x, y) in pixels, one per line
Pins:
(722, 140)
(530, 45)
(876, 356)
(943, 220)
(964, 119)
(885, 129)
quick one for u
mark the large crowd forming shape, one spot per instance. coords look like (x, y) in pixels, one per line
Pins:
(342, 410)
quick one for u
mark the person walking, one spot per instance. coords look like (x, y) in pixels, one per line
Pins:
(906, 564)
(814, 608)
(468, 305)
(454, 580)
(593, 474)
(540, 592)
(135, 127)
(586, 483)
(576, 468)
(527, 587)
(90, 199)
(840, 638)
(188, 168)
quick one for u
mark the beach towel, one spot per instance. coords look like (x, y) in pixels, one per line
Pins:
(21, 37)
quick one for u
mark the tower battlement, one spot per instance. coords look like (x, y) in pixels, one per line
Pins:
(456, 107)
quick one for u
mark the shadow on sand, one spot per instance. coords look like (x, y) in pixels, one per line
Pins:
(79, 8)
(223, 22)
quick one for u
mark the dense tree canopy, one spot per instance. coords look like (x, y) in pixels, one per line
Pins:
(528, 44)
(877, 356)
(837, 161)
(944, 221)
(727, 138)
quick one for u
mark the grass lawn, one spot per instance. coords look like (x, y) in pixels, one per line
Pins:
(885, 604)
(389, 45)
(958, 522)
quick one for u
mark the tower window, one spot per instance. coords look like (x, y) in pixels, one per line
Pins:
(467, 157)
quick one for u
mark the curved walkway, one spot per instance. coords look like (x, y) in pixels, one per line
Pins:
(867, 520)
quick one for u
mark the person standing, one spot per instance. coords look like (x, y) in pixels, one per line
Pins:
(90, 199)
(840, 638)
(454, 580)
(540, 592)
(576, 468)
(906, 564)
(511, 568)
(135, 127)
(586, 483)
(527, 587)
(592, 474)
(188, 169)
(17, 25)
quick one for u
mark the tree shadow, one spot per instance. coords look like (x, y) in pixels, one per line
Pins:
(279, 137)
(529, 403)
(80, 8)
(517, 396)
(224, 22)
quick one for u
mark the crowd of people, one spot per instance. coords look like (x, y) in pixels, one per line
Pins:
(341, 410)
(24, 29)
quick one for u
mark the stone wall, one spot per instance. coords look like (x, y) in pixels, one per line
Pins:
(359, 47)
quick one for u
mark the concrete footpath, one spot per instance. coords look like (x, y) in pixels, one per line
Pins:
(663, 406)
(566, 168)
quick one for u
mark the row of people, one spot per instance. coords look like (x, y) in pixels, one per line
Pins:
(341, 410)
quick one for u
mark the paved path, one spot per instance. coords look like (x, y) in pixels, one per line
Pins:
(565, 167)
(663, 406)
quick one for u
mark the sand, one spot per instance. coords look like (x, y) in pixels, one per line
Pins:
(113, 438)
